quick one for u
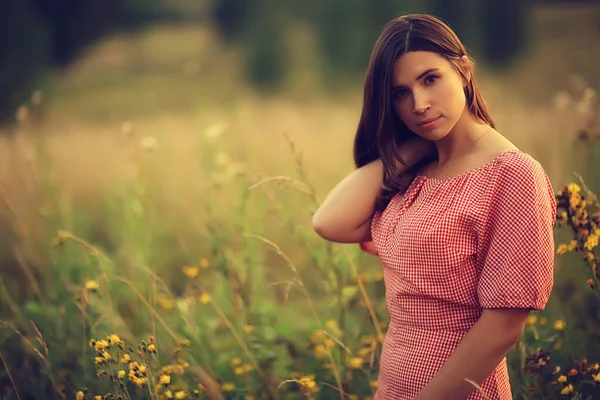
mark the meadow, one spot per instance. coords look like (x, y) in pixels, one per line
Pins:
(155, 216)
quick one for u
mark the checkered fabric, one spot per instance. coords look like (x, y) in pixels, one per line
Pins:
(452, 247)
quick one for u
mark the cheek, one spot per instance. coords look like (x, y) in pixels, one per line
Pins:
(454, 98)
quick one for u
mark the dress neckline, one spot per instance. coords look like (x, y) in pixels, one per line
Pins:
(470, 172)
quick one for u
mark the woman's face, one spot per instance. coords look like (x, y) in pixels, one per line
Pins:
(427, 93)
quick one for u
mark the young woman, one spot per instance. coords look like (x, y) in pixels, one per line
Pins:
(461, 219)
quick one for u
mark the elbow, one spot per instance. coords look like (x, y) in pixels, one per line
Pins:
(328, 228)
(320, 226)
(515, 334)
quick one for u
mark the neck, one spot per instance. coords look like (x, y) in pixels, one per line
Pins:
(461, 140)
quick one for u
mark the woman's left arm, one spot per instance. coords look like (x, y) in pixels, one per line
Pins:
(478, 355)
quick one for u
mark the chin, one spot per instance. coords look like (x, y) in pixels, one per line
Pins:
(434, 135)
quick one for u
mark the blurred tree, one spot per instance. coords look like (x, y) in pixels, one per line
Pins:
(495, 31)
(75, 23)
(263, 43)
(230, 17)
(463, 16)
(24, 50)
(505, 28)
(347, 30)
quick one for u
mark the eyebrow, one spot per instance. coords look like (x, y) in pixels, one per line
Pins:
(430, 70)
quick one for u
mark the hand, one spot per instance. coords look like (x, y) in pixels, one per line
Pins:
(417, 149)
(368, 247)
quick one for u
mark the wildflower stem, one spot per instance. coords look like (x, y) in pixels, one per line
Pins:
(304, 291)
(10, 376)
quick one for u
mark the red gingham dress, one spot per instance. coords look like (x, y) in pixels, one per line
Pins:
(452, 247)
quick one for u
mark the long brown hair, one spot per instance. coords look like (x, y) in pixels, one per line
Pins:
(380, 132)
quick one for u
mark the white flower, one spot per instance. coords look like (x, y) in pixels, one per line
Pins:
(36, 97)
(149, 143)
(562, 100)
(222, 159)
(127, 128)
(215, 130)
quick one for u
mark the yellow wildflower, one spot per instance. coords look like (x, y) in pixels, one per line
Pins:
(318, 336)
(239, 371)
(356, 362)
(562, 379)
(532, 319)
(309, 382)
(596, 377)
(99, 360)
(560, 325)
(573, 372)
(114, 339)
(98, 397)
(190, 271)
(592, 241)
(365, 352)
(573, 188)
(567, 389)
(165, 379)
(248, 367)
(79, 395)
(572, 245)
(101, 345)
(168, 394)
(575, 200)
(368, 340)
(329, 343)
(205, 298)
(106, 356)
(142, 369)
(121, 374)
(594, 367)
(163, 301)
(249, 328)
(140, 381)
(228, 387)
(236, 362)
(556, 370)
(92, 285)
(562, 249)
(151, 348)
(374, 384)
(204, 263)
(126, 358)
(320, 351)
(180, 394)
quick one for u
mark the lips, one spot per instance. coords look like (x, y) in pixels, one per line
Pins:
(427, 121)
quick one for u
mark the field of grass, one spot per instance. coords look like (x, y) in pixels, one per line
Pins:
(155, 209)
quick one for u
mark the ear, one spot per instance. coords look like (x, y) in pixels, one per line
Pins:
(466, 67)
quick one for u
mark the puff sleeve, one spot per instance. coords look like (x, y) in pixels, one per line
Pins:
(515, 246)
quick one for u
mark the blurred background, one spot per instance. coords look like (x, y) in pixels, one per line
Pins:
(160, 161)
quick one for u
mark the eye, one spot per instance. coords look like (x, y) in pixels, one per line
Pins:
(399, 93)
(430, 79)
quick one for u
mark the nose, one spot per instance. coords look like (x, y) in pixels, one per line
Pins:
(420, 102)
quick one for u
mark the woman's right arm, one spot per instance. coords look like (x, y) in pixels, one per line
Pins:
(346, 213)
